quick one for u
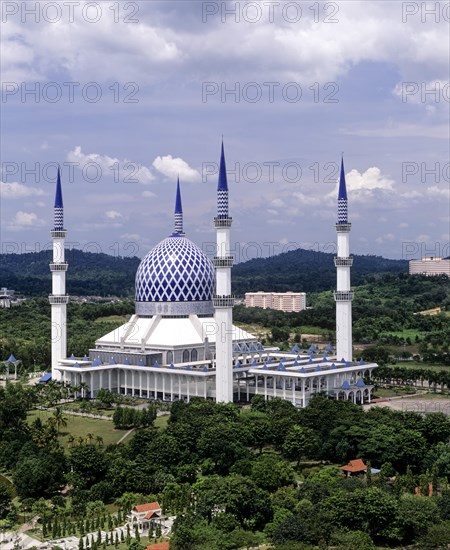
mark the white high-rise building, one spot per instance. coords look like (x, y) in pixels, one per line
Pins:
(58, 298)
(283, 301)
(430, 265)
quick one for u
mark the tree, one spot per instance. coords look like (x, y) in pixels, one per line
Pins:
(60, 420)
(353, 540)
(299, 442)
(5, 501)
(270, 472)
(415, 514)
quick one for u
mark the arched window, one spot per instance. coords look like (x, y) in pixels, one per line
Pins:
(186, 356)
(169, 357)
(194, 355)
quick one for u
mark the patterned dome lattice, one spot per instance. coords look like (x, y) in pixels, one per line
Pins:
(176, 270)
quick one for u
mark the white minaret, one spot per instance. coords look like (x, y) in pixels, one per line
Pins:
(343, 295)
(223, 301)
(58, 298)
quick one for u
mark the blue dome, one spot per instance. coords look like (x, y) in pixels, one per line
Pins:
(175, 278)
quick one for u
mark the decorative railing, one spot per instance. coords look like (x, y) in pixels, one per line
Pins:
(59, 267)
(223, 301)
(345, 262)
(343, 295)
(343, 227)
(58, 299)
(222, 222)
(224, 261)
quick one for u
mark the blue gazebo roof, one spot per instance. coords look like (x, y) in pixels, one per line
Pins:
(346, 385)
(47, 376)
(360, 383)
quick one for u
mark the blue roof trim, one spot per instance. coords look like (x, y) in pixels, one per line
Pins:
(47, 376)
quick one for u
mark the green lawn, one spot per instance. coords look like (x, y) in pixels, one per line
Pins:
(407, 333)
(161, 421)
(79, 426)
(417, 365)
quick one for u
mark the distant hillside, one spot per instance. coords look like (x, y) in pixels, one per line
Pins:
(307, 271)
(103, 275)
(89, 273)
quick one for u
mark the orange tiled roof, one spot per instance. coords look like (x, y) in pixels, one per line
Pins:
(158, 546)
(355, 466)
(149, 507)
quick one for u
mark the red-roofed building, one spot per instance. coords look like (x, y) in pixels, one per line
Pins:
(143, 515)
(158, 546)
(354, 467)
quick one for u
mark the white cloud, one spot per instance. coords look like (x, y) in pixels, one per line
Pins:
(148, 194)
(113, 214)
(172, 167)
(17, 190)
(437, 192)
(25, 220)
(277, 203)
(370, 179)
(124, 171)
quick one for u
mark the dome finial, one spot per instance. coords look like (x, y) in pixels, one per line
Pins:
(58, 207)
(178, 211)
(342, 196)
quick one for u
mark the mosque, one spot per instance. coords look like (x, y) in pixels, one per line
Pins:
(181, 341)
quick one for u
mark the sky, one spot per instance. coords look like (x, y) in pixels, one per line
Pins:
(127, 96)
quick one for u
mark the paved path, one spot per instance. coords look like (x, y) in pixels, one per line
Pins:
(125, 436)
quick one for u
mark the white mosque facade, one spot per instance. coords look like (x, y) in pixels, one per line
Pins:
(181, 343)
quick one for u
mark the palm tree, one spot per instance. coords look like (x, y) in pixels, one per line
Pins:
(84, 388)
(80, 441)
(89, 438)
(60, 420)
(99, 440)
(71, 440)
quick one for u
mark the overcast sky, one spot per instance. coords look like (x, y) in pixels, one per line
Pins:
(127, 95)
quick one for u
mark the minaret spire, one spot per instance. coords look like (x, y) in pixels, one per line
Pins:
(178, 212)
(223, 300)
(222, 188)
(58, 298)
(343, 294)
(342, 197)
(59, 207)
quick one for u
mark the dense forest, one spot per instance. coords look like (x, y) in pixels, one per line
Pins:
(238, 477)
(98, 274)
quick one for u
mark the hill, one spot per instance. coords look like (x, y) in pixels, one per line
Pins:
(307, 271)
(99, 274)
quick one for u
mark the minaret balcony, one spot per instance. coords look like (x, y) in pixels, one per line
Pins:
(58, 233)
(222, 222)
(343, 227)
(223, 261)
(58, 299)
(59, 267)
(343, 262)
(343, 295)
(223, 301)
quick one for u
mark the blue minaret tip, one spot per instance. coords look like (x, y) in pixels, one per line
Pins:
(178, 228)
(178, 206)
(342, 185)
(58, 195)
(222, 183)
